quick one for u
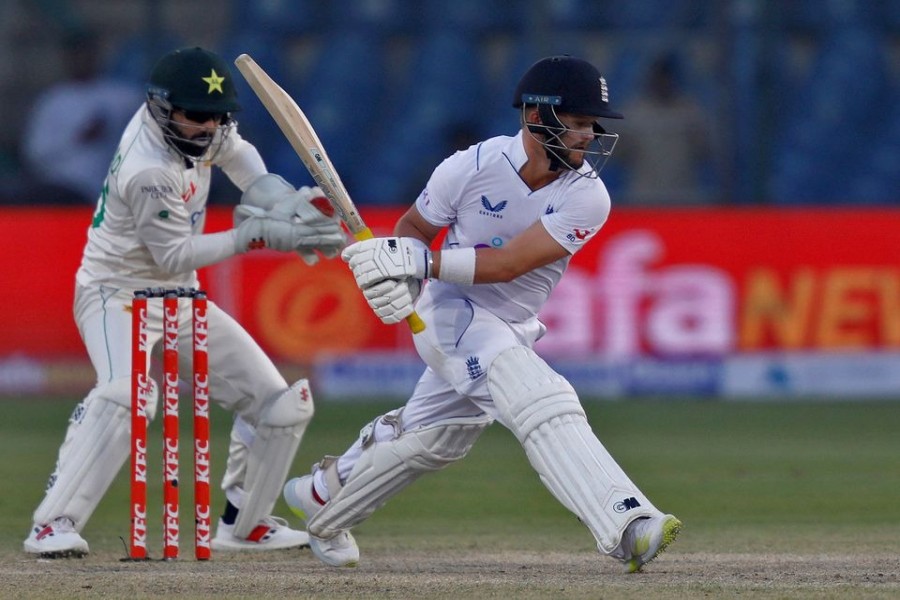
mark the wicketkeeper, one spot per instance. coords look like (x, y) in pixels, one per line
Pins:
(147, 231)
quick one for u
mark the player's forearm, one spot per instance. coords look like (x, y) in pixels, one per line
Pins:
(198, 251)
(243, 165)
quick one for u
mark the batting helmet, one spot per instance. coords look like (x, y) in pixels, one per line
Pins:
(199, 83)
(566, 85)
(571, 85)
(194, 79)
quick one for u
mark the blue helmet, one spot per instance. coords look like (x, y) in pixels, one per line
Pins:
(566, 85)
(571, 85)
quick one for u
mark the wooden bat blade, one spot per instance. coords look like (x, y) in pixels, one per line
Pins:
(303, 139)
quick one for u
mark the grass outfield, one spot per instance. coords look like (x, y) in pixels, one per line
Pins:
(754, 483)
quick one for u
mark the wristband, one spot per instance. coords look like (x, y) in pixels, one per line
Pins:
(429, 264)
(458, 266)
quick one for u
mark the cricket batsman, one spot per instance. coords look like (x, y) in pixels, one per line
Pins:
(516, 208)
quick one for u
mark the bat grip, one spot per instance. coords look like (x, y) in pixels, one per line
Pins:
(415, 322)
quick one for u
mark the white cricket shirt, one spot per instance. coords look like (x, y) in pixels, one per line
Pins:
(147, 229)
(479, 194)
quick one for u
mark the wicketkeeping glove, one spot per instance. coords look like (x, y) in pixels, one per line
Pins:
(258, 230)
(392, 299)
(311, 220)
(314, 210)
(379, 259)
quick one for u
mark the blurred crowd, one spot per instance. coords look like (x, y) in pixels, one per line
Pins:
(725, 102)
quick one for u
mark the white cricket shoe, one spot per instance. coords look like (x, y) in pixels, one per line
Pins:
(645, 539)
(57, 539)
(272, 533)
(339, 551)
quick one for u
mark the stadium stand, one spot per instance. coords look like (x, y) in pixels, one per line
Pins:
(391, 85)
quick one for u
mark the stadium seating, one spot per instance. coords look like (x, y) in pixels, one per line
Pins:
(136, 55)
(833, 117)
(440, 92)
(283, 18)
(255, 123)
(343, 98)
(470, 16)
(377, 17)
(392, 85)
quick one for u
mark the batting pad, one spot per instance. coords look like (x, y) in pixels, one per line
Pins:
(278, 435)
(97, 443)
(385, 468)
(541, 408)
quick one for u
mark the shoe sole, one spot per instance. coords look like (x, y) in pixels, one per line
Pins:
(54, 554)
(670, 528)
(254, 546)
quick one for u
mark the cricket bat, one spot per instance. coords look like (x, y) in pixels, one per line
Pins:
(305, 142)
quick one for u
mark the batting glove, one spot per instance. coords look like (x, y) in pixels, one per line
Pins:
(379, 259)
(392, 300)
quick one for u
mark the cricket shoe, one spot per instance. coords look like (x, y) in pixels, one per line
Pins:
(272, 533)
(645, 539)
(57, 539)
(338, 551)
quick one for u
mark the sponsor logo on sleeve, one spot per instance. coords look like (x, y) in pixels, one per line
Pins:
(579, 235)
(157, 191)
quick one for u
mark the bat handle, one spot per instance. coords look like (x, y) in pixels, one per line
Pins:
(415, 322)
(363, 234)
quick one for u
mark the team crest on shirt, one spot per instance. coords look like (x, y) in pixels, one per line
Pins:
(549, 210)
(473, 367)
(492, 210)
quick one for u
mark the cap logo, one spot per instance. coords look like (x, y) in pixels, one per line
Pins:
(214, 81)
(604, 93)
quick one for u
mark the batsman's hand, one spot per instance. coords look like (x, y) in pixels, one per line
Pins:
(392, 300)
(378, 259)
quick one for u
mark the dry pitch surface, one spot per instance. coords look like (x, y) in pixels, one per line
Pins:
(457, 574)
